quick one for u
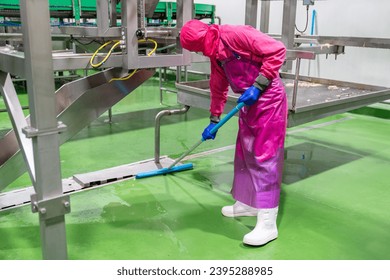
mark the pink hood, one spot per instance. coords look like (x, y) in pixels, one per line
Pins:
(198, 36)
(244, 40)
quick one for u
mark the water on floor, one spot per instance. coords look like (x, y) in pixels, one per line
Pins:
(334, 202)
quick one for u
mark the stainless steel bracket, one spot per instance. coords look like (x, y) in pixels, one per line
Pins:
(51, 208)
(31, 132)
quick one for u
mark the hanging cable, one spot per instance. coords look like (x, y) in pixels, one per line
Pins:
(73, 39)
(116, 43)
(149, 40)
(135, 70)
(307, 21)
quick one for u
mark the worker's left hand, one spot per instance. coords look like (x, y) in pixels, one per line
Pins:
(250, 96)
(206, 135)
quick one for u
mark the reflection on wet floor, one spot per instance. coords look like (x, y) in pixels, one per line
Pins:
(308, 159)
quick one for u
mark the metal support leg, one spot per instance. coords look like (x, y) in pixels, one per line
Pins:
(296, 81)
(44, 128)
(102, 12)
(264, 16)
(160, 84)
(288, 27)
(251, 13)
(113, 14)
(185, 73)
(162, 76)
(178, 74)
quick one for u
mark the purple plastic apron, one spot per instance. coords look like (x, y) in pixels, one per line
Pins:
(259, 155)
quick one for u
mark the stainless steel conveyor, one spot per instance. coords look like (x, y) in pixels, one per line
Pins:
(315, 98)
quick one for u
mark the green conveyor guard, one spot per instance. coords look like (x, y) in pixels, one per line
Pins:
(165, 11)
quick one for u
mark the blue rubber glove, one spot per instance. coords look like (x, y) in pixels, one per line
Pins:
(250, 96)
(206, 133)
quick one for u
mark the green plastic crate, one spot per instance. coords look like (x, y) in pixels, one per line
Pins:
(164, 10)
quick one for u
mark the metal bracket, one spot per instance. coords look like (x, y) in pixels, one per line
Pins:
(51, 208)
(31, 132)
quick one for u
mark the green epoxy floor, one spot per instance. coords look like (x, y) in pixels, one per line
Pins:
(335, 201)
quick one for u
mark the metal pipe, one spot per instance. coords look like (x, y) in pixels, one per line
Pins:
(160, 84)
(296, 80)
(160, 78)
(168, 90)
(157, 128)
(141, 13)
(171, 46)
(185, 74)
(178, 74)
(155, 32)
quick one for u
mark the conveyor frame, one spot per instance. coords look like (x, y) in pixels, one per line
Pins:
(316, 98)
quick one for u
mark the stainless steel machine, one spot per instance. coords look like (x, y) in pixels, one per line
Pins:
(126, 52)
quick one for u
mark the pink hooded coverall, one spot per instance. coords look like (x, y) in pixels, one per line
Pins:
(238, 55)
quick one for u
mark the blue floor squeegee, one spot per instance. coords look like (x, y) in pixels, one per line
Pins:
(173, 168)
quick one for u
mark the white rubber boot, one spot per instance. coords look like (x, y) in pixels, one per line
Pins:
(239, 209)
(265, 229)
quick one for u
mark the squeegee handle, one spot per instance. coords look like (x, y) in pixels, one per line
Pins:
(186, 153)
(215, 129)
(227, 117)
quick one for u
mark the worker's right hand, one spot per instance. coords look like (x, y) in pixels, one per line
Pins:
(206, 133)
(250, 96)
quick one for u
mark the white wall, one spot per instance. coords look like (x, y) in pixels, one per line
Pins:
(230, 11)
(355, 18)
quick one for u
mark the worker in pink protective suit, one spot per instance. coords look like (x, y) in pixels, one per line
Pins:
(248, 61)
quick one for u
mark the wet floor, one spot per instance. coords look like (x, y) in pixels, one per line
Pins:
(334, 202)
